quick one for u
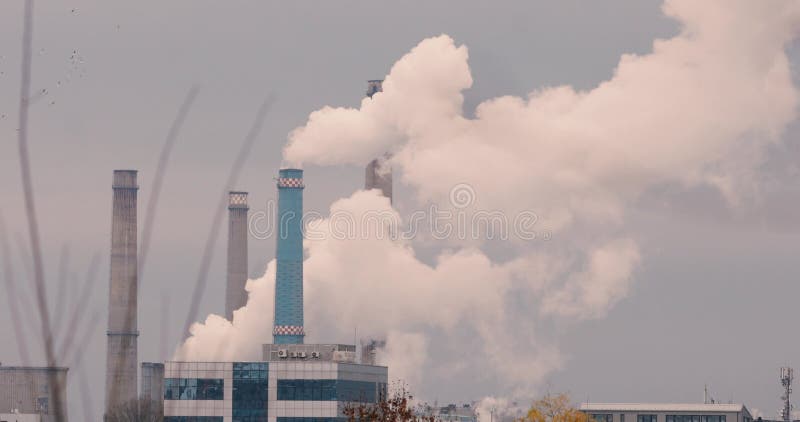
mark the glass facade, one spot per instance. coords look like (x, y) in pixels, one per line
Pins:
(328, 390)
(646, 418)
(250, 391)
(274, 391)
(193, 389)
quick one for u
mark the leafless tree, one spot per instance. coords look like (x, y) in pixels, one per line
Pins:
(398, 407)
(139, 410)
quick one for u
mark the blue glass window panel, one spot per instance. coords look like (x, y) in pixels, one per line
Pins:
(250, 392)
(193, 389)
(329, 390)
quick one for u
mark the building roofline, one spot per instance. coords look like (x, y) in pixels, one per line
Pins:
(665, 407)
(33, 368)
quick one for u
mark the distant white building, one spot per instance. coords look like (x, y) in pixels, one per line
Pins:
(667, 412)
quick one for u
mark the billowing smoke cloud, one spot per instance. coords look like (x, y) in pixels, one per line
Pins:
(700, 109)
(218, 339)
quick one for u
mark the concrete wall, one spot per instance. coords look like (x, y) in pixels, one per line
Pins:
(17, 417)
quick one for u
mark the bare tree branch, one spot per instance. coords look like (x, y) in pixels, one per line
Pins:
(85, 294)
(233, 177)
(30, 207)
(158, 177)
(12, 297)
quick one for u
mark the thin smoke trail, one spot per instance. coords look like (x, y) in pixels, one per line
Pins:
(158, 177)
(86, 395)
(73, 357)
(11, 296)
(30, 208)
(233, 176)
(162, 347)
(23, 294)
(85, 294)
(63, 272)
(25, 256)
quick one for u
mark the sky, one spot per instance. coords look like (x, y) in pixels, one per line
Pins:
(711, 296)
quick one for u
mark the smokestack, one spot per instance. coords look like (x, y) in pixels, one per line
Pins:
(374, 86)
(378, 173)
(235, 295)
(121, 357)
(289, 255)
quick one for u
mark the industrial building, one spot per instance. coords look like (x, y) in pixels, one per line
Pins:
(123, 333)
(235, 294)
(280, 390)
(293, 382)
(652, 412)
(369, 350)
(151, 391)
(452, 413)
(28, 392)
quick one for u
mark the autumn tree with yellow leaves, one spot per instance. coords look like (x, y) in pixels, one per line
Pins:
(555, 408)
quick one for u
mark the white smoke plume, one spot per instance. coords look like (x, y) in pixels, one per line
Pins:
(700, 109)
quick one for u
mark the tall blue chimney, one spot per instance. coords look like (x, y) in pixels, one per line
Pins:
(289, 254)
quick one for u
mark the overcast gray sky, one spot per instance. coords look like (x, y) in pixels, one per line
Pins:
(713, 301)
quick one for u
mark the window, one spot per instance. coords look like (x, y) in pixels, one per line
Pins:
(193, 389)
(621, 417)
(683, 418)
(645, 418)
(330, 390)
(602, 417)
(250, 392)
(358, 391)
(712, 418)
(43, 405)
(192, 418)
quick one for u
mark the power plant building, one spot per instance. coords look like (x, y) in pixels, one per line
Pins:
(667, 412)
(235, 294)
(28, 392)
(123, 333)
(293, 382)
(280, 390)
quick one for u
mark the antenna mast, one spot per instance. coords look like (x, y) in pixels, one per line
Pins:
(787, 375)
